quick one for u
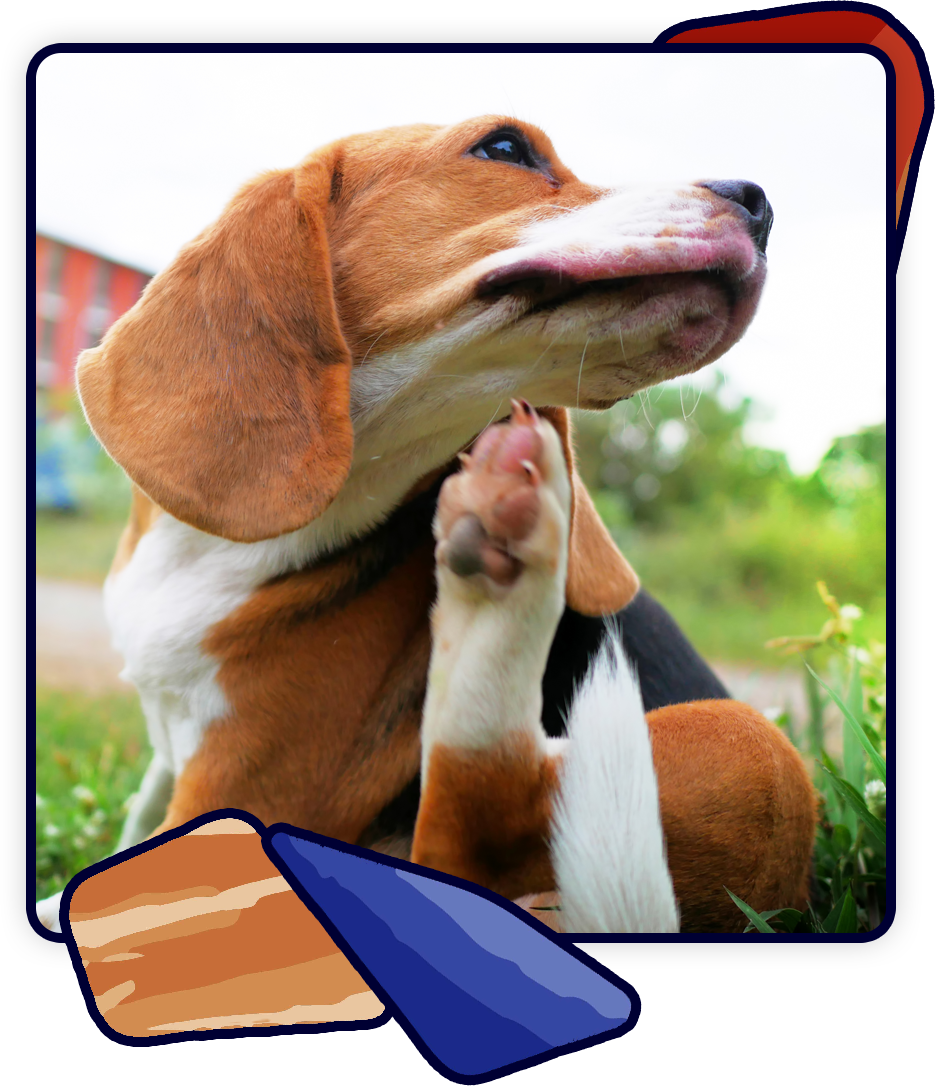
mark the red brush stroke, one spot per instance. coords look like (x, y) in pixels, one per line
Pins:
(841, 24)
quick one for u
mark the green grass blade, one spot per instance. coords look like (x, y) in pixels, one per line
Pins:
(790, 919)
(752, 915)
(847, 917)
(833, 801)
(830, 922)
(853, 745)
(876, 760)
(855, 801)
(817, 925)
(816, 713)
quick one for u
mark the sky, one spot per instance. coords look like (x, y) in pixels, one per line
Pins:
(136, 153)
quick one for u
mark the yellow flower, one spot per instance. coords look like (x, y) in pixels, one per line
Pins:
(840, 625)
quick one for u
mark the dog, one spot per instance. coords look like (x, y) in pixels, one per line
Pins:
(287, 398)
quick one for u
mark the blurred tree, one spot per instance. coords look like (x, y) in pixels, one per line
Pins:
(718, 527)
(656, 455)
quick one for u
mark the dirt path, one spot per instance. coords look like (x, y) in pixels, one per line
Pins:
(72, 640)
(73, 650)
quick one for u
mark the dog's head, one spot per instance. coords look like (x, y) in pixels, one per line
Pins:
(394, 290)
(489, 246)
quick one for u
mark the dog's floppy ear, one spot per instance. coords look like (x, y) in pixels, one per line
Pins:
(224, 392)
(600, 579)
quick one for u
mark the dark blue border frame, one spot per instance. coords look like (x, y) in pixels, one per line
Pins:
(601, 944)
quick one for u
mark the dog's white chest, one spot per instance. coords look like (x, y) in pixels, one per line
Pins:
(160, 606)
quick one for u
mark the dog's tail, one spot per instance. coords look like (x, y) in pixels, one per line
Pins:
(608, 849)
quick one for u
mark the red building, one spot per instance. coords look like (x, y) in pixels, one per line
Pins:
(79, 294)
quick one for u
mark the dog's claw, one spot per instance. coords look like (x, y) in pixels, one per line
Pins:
(533, 474)
(523, 412)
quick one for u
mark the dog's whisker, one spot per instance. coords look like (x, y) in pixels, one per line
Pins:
(644, 399)
(580, 371)
(623, 349)
(372, 345)
(682, 400)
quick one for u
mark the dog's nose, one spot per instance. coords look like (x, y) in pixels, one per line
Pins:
(759, 214)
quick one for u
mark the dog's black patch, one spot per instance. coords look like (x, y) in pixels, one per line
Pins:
(669, 669)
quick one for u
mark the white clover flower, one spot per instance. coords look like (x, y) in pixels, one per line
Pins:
(79, 842)
(84, 795)
(52, 831)
(851, 612)
(875, 798)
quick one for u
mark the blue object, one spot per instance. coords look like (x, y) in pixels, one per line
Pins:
(53, 487)
(481, 988)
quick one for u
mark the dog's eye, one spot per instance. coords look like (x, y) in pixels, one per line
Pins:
(505, 148)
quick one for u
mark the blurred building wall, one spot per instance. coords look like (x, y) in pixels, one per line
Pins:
(79, 294)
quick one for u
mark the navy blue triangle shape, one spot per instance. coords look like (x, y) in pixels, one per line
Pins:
(480, 987)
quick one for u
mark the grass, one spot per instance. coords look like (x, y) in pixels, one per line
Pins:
(737, 631)
(76, 547)
(91, 752)
(732, 584)
(844, 672)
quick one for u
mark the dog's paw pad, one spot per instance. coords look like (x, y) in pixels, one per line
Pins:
(491, 510)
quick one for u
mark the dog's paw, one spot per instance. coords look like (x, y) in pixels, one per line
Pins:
(507, 510)
(48, 912)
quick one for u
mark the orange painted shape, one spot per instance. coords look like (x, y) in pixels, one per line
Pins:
(202, 933)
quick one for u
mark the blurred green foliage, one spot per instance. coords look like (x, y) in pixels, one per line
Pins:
(78, 541)
(96, 485)
(723, 532)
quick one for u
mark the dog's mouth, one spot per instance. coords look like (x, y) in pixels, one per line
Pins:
(692, 316)
(547, 291)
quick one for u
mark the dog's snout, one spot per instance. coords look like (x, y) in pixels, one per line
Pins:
(750, 197)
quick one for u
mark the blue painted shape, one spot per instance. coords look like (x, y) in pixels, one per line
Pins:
(481, 989)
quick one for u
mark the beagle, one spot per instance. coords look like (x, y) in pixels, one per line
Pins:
(287, 398)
